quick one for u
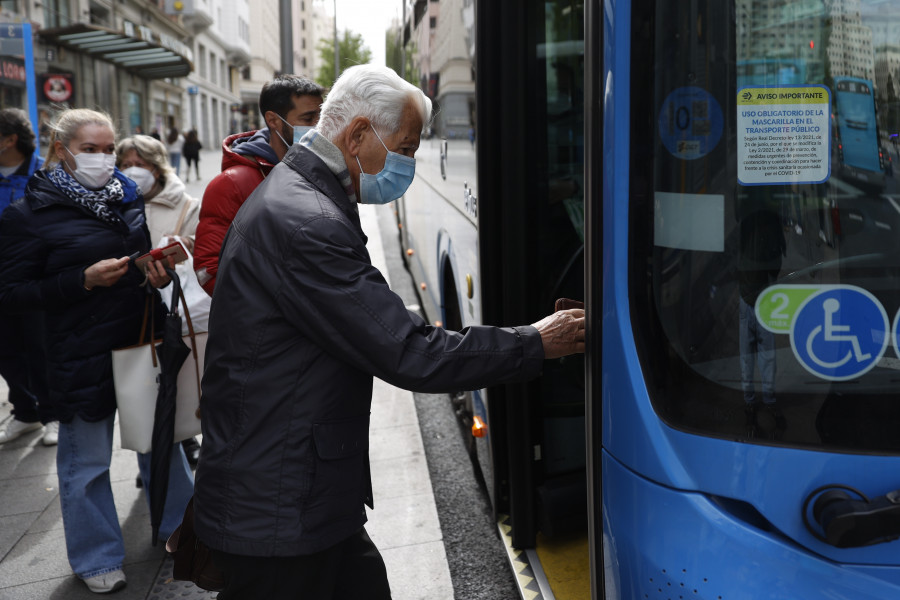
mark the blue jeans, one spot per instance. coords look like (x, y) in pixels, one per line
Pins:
(93, 537)
(175, 161)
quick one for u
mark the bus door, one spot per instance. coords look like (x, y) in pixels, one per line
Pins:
(530, 70)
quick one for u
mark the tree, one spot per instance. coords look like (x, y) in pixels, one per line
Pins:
(393, 56)
(352, 52)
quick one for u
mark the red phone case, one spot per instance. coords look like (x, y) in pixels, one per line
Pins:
(174, 249)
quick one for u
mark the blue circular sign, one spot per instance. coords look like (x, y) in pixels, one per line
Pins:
(840, 333)
(895, 334)
(690, 122)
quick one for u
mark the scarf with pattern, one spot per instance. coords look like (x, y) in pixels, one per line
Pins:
(97, 202)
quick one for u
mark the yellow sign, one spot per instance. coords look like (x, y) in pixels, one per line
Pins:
(787, 95)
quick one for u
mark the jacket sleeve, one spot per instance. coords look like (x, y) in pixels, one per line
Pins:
(334, 295)
(221, 201)
(23, 253)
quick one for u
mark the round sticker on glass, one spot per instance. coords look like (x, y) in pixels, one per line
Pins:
(690, 123)
(840, 333)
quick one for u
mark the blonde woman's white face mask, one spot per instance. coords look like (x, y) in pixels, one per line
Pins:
(93, 169)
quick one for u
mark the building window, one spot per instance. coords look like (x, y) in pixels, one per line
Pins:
(222, 71)
(245, 73)
(201, 54)
(432, 22)
(212, 66)
(57, 14)
(303, 24)
(303, 43)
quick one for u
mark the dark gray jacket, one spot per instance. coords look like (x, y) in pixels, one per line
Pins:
(299, 324)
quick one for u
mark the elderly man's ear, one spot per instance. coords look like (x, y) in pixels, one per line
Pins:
(353, 135)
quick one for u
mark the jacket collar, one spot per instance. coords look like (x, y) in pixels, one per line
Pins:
(170, 194)
(305, 162)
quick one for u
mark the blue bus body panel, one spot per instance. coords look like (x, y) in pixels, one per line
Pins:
(677, 465)
(856, 121)
(669, 544)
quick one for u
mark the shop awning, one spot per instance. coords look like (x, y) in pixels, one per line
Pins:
(139, 51)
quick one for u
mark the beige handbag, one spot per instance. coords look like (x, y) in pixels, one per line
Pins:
(135, 369)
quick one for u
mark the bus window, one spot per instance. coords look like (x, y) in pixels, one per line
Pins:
(774, 291)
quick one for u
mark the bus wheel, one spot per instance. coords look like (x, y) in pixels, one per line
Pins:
(461, 401)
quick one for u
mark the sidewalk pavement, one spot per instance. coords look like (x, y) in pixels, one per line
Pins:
(404, 526)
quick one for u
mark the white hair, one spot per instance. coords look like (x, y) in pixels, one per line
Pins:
(370, 91)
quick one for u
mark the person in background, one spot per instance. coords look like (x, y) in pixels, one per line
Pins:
(300, 324)
(175, 144)
(191, 151)
(154, 133)
(21, 339)
(170, 210)
(66, 249)
(290, 105)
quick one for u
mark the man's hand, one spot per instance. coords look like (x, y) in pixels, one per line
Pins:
(562, 332)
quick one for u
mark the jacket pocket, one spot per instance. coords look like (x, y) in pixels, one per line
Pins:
(341, 439)
(340, 480)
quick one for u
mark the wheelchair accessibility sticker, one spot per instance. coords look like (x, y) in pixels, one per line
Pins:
(838, 332)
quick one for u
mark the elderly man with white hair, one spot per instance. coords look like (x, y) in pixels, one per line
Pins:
(300, 323)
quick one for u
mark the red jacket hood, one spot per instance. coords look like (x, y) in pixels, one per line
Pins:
(230, 158)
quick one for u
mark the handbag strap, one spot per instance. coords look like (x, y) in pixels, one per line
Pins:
(184, 208)
(148, 310)
(190, 326)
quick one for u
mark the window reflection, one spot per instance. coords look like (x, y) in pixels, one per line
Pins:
(708, 276)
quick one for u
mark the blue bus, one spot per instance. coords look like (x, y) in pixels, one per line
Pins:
(732, 429)
(858, 152)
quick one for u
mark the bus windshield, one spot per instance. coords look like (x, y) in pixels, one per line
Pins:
(765, 220)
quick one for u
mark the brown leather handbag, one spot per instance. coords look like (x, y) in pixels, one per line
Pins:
(193, 558)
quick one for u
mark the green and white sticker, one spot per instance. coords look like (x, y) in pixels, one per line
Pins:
(776, 306)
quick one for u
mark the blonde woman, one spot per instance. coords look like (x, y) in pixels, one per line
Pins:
(65, 250)
(170, 210)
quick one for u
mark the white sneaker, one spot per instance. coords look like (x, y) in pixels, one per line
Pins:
(51, 433)
(16, 428)
(106, 583)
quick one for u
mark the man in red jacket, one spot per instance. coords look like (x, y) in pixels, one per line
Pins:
(290, 105)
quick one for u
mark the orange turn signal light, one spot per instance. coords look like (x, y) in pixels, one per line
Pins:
(479, 428)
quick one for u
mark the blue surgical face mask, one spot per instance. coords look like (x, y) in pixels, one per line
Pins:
(299, 130)
(391, 182)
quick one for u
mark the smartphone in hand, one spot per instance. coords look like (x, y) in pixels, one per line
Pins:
(175, 249)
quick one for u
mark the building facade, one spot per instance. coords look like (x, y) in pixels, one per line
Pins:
(220, 32)
(150, 64)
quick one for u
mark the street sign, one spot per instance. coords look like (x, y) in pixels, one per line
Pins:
(16, 42)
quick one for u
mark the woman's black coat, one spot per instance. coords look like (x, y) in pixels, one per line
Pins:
(46, 243)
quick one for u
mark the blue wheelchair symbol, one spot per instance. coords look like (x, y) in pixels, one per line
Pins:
(840, 333)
